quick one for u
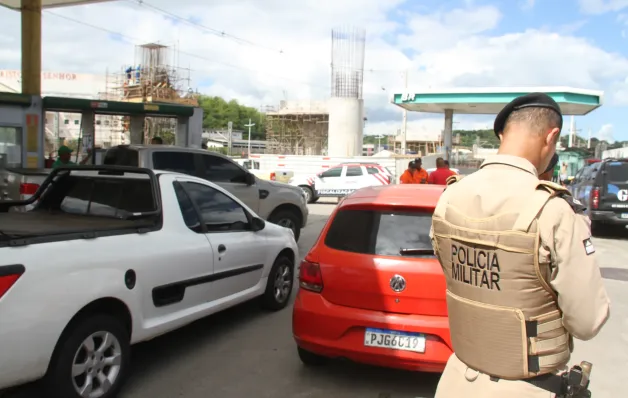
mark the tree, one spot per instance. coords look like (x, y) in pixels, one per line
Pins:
(217, 113)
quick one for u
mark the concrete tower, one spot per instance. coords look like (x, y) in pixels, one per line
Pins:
(346, 106)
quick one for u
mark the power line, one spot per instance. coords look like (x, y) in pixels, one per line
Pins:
(225, 35)
(216, 32)
(137, 41)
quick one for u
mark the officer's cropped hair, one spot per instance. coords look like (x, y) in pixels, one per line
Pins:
(538, 120)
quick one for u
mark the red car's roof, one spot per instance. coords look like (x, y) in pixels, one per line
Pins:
(406, 195)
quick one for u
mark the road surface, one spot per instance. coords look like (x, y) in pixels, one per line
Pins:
(246, 352)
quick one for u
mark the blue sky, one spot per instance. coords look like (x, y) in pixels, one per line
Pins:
(603, 30)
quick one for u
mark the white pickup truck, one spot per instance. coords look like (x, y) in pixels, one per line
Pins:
(111, 256)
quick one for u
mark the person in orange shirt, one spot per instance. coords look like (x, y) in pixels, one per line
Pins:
(408, 176)
(420, 175)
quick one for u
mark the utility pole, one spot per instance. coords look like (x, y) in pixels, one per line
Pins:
(405, 117)
(589, 141)
(230, 131)
(249, 126)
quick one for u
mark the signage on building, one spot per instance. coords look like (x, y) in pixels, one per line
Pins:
(17, 75)
(153, 108)
(407, 96)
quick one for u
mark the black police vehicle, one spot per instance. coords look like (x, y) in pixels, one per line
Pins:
(603, 188)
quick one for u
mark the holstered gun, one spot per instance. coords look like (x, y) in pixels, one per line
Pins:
(576, 381)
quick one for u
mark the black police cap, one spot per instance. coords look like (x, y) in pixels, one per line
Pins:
(532, 100)
(552, 163)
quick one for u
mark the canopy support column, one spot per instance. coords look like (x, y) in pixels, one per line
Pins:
(136, 130)
(448, 133)
(31, 47)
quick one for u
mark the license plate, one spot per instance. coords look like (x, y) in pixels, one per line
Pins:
(394, 340)
(624, 215)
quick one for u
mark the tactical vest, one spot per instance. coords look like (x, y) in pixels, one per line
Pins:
(503, 315)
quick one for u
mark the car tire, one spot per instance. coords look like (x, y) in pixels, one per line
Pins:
(309, 193)
(288, 219)
(310, 359)
(280, 284)
(108, 341)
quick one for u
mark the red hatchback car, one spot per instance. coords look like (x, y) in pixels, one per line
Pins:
(372, 290)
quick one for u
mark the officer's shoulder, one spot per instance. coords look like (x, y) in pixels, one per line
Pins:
(452, 179)
(561, 194)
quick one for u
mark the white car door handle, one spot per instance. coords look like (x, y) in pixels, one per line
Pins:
(222, 248)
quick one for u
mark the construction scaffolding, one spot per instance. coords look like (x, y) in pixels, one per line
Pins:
(298, 128)
(155, 77)
(152, 78)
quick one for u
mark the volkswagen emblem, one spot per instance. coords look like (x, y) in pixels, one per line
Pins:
(397, 283)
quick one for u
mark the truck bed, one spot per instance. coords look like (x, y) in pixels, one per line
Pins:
(44, 223)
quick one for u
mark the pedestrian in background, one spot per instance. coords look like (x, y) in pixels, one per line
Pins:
(408, 176)
(421, 173)
(440, 175)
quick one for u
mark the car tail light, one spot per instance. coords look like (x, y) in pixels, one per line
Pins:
(8, 277)
(28, 188)
(595, 198)
(310, 277)
(273, 176)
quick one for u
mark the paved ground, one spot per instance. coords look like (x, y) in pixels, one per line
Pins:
(246, 352)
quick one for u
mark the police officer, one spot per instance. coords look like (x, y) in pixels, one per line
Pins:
(522, 278)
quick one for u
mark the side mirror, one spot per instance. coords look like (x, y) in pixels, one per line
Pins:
(249, 179)
(257, 224)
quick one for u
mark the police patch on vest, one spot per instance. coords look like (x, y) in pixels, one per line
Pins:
(475, 267)
(588, 246)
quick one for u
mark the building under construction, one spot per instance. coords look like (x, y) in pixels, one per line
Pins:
(154, 77)
(298, 128)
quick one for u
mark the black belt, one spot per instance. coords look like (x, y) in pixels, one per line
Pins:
(548, 382)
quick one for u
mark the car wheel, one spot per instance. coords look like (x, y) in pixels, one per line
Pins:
(310, 359)
(309, 193)
(279, 285)
(91, 360)
(287, 219)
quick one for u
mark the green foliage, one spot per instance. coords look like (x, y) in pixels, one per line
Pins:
(487, 139)
(372, 139)
(217, 113)
(222, 151)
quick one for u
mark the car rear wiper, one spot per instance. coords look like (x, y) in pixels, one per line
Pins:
(413, 251)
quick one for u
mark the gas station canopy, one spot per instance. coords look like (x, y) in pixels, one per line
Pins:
(17, 4)
(489, 101)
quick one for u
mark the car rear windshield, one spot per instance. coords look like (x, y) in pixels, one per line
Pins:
(617, 171)
(381, 233)
(121, 157)
(120, 198)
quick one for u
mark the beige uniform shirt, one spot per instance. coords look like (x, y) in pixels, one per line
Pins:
(565, 244)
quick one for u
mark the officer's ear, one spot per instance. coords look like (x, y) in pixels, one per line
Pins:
(552, 137)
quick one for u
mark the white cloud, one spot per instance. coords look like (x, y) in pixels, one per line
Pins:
(290, 54)
(597, 7)
(528, 4)
(606, 133)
